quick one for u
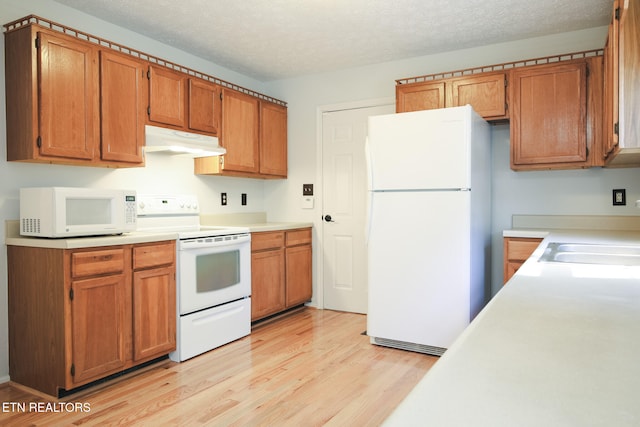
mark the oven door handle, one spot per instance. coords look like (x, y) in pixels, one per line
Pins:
(206, 242)
(211, 317)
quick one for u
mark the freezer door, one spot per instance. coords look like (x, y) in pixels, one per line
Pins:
(420, 150)
(419, 267)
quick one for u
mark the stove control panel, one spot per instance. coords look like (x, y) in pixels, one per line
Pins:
(162, 204)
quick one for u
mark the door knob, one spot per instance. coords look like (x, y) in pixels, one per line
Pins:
(328, 218)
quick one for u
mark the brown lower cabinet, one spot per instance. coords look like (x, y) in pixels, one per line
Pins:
(516, 251)
(79, 315)
(281, 265)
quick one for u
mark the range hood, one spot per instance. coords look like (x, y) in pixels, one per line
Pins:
(171, 141)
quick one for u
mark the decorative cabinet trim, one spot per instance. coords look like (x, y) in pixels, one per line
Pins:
(33, 19)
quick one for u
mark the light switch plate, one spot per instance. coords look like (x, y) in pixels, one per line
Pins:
(307, 189)
(307, 202)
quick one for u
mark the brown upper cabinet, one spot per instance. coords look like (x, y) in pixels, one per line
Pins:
(622, 86)
(123, 99)
(485, 92)
(56, 105)
(553, 104)
(254, 133)
(556, 115)
(76, 99)
(204, 106)
(179, 101)
(52, 97)
(273, 139)
(548, 115)
(167, 97)
(420, 96)
(240, 136)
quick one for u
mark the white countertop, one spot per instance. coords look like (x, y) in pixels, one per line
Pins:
(89, 242)
(255, 221)
(13, 237)
(559, 345)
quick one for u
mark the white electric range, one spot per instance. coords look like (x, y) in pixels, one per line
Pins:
(213, 277)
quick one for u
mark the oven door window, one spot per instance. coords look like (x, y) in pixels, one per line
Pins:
(217, 271)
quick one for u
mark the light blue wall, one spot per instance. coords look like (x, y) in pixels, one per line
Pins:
(162, 174)
(563, 192)
(572, 192)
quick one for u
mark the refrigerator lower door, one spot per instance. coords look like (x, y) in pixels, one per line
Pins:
(419, 265)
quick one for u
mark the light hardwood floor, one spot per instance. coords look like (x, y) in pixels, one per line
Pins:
(307, 368)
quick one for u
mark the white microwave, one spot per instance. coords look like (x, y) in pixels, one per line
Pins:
(72, 212)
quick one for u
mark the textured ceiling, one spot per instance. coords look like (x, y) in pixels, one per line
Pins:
(276, 39)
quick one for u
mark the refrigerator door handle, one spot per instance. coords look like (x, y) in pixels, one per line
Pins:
(369, 200)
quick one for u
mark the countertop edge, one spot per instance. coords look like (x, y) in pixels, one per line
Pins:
(277, 226)
(91, 241)
(527, 234)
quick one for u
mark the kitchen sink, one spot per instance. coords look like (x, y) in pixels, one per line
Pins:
(586, 253)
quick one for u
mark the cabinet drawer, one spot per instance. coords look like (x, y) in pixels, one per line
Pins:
(520, 249)
(92, 263)
(267, 240)
(154, 255)
(298, 237)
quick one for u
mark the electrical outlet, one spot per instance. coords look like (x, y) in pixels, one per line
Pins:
(307, 189)
(619, 197)
(244, 199)
(223, 199)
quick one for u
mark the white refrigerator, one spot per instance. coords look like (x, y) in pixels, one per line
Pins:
(428, 226)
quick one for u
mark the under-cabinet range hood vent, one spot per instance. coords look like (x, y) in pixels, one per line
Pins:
(170, 141)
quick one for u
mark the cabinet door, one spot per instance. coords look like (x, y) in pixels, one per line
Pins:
(516, 251)
(629, 84)
(420, 96)
(486, 93)
(273, 139)
(167, 97)
(240, 121)
(267, 240)
(298, 278)
(123, 98)
(267, 283)
(298, 237)
(96, 261)
(154, 255)
(154, 312)
(68, 115)
(548, 116)
(100, 327)
(611, 85)
(204, 106)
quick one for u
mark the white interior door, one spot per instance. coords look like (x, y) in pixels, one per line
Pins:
(344, 198)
